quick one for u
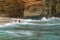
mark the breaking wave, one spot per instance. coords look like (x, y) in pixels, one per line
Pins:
(42, 22)
(29, 29)
(34, 24)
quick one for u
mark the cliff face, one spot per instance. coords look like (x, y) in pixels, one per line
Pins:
(23, 8)
(11, 8)
(33, 7)
(32, 2)
(20, 8)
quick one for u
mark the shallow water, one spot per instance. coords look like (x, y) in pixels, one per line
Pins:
(43, 30)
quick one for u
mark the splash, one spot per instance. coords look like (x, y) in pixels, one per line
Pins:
(44, 19)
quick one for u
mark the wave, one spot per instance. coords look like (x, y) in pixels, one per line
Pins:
(43, 22)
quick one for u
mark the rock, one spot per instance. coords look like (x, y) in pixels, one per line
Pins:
(11, 8)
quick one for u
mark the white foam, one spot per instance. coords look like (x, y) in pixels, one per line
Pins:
(44, 19)
(30, 22)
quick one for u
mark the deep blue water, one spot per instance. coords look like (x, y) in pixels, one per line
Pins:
(43, 30)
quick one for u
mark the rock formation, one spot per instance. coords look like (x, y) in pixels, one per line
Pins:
(11, 8)
(33, 7)
(24, 8)
(19, 8)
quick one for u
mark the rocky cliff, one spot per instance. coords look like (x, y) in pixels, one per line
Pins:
(24, 8)
(33, 7)
(20, 8)
(11, 8)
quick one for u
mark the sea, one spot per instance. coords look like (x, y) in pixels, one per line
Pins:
(43, 29)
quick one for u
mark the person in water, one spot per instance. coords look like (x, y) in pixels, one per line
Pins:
(19, 21)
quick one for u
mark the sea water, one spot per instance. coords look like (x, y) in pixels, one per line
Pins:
(44, 29)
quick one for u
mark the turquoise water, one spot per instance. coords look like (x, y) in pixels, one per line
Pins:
(43, 30)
